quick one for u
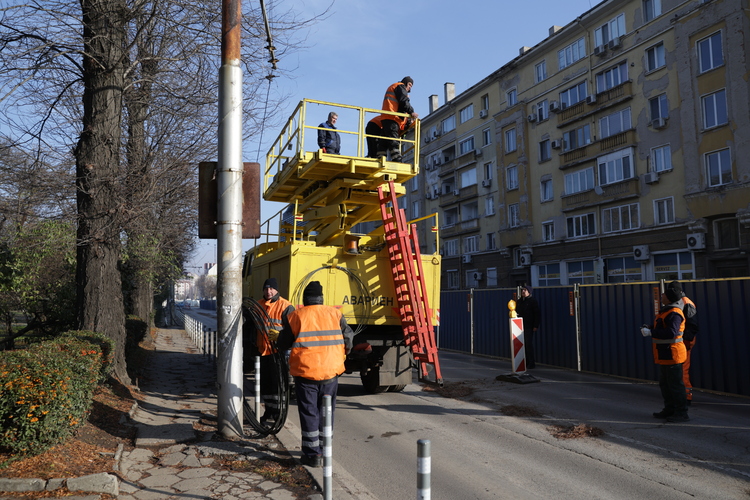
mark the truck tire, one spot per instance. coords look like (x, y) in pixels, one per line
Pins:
(371, 381)
(396, 388)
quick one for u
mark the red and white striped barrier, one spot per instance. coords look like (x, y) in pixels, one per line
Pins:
(517, 345)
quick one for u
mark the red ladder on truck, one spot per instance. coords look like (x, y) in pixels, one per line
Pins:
(409, 283)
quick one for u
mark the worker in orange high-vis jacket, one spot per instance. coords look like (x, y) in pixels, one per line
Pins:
(669, 353)
(396, 99)
(374, 131)
(277, 309)
(320, 339)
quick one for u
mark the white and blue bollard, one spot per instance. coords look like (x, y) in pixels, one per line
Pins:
(424, 468)
(257, 388)
(327, 448)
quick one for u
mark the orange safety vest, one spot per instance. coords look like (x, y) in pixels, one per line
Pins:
(669, 351)
(378, 120)
(318, 350)
(390, 103)
(274, 309)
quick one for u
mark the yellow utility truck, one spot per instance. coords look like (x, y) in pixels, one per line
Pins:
(341, 226)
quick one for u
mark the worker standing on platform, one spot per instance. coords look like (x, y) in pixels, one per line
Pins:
(669, 353)
(320, 339)
(277, 308)
(396, 99)
(328, 139)
(374, 130)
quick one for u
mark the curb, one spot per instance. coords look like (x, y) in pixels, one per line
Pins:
(93, 483)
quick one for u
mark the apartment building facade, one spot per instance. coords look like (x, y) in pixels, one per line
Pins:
(614, 150)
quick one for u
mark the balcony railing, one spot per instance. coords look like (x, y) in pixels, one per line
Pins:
(619, 190)
(572, 111)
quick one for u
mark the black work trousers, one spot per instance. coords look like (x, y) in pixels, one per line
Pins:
(673, 389)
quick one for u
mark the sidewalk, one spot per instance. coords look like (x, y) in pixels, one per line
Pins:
(177, 453)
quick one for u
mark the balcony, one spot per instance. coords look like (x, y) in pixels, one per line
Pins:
(578, 111)
(447, 167)
(612, 192)
(617, 140)
(463, 194)
(615, 94)
(572, 112)
(459, 228)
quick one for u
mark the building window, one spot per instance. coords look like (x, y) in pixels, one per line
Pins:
(511, 97)
(489, 206)
(486, 101)
(573, 95)
(513, 215)
(470, 211)
(614, 28)
(488, 170)
(540, 70)
(466, 146)
(655, 57)
(615, 123)
(673, 266)
(623, 269)
(451, 216)
(714, 109)
(659, 107)
(468, 177)
(542, 110)
(615, 167)
(414, 183)
(577, 182)
(546, 190)
(622, 218)
(651, 9)
(581, 225)
(491, 276)
(448, 124)
(612, 77)
(664, 211)
(486, 137)
(450, 248)
(719, 168)
(510, 140)
(466, 113)
(491, 241)
(415, 210)
(727, 233)
(577, 138)
(545, 150)
(710, 52)
(572, 53)
(582, 272)
(548, 231)
(661, 158)
(549, 274)
(471, 244)
(452, 276)
(511, 175)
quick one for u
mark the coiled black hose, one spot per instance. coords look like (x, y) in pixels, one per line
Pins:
(254, 313)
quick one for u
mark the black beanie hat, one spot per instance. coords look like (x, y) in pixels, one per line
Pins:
(407, 79)
(673, 291)
(313, 289)
(271, 283)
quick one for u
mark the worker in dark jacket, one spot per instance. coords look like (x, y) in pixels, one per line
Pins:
(527, 307)
(396, 99)
(320, 339)
(328, 139)
(669, 353)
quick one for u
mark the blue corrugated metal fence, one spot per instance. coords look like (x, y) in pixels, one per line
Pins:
(610, 319)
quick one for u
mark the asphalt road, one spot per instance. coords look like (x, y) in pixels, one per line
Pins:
(478, 452)
(503, 440)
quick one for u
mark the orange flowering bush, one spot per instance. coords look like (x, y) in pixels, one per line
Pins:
(46, 391)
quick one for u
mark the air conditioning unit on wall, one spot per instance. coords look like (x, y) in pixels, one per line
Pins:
(696, 241)
(640, 252)
(524, 259)
(466, 259)
(477, 276)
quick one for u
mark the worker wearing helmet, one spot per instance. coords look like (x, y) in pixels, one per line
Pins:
(319, 338)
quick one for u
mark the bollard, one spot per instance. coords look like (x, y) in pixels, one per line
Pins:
(424, 467)
(257, 388)
(327, 448)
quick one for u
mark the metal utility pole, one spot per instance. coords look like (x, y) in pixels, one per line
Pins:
(229, 225)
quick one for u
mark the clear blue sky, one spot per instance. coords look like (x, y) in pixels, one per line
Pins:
(362, 47)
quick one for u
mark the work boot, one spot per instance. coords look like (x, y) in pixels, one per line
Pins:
(312, 460)
(381, 154)
(663, 414)
(678, 418)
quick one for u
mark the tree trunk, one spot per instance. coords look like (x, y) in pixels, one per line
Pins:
(98, 283)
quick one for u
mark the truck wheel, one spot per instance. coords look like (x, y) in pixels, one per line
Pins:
(396, 388)
(371, 381)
